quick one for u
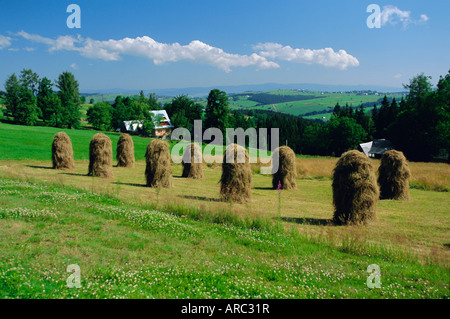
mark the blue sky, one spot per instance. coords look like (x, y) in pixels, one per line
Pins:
(168, 44)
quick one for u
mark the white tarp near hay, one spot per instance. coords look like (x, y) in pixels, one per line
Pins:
(375, 148)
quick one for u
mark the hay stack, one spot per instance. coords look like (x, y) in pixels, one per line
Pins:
(100, 156)
(62, 152)
(236, 180)
(393, 176)
(158, 171)
(355, 189)
(125, 151)
(287, 168)
(192, 161)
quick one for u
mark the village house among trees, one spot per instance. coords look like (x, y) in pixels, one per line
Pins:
(162, 125)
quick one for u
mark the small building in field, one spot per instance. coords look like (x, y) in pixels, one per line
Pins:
(375, 148)
(163, 126)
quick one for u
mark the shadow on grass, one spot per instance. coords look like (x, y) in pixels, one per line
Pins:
(264, 188)
(42, 167)
(75, 174)
(208, 199)
(308, 221)
(130, 184)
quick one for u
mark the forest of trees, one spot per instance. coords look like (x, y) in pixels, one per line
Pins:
(104, 116)
(29, 98)
(265, 98)
(418, 125)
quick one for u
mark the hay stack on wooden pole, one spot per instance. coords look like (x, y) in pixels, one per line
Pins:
(394, 176)
(355, 189)
(192, 161)
(236, 179)
(125, 151)
(287, 168)
(158, 171)
(62, 152)
(100, 156)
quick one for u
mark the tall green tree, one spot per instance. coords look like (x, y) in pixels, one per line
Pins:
(419, 87)
(70, 99)
(45, 91)
(11, 96)
(153, 102)
(344, 134)
(443, 108)
(217, 110)
(27, 112)
(120, 113)
(315, 139)
(29, 80)
(183, 111)
(54, 108)
(415, 129)
(384, 117)
(100, 116)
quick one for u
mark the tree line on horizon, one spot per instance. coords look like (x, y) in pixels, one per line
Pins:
(418, 125)
(28, 98)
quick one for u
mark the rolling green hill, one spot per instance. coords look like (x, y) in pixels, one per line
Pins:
(297, 102)
(294, 102)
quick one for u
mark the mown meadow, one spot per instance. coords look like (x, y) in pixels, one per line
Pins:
(132, 241)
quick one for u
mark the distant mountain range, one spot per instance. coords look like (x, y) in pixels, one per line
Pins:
(230, 89)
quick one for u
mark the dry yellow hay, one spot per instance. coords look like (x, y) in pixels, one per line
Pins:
(394, 176)
(192, 162)
(62, 152)
(287, 168)
(236, 179)
(100, 156)
(125, 151)
(158, 171)
(355, 189)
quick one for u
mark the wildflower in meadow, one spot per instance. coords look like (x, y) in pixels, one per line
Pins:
(279, 198)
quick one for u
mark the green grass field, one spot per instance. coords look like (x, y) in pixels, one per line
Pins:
(131, 241)
(21, 142)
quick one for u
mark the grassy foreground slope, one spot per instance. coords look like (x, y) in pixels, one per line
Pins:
(130, 251)
(133, 241)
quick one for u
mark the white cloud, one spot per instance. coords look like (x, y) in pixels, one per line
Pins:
(74, 66)
(424, 18)
(111, 50)
(28, 49)
(398, 75)
(4, 42)
(326, 57)
(35, 37)
(195, 51)
(392, 15)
